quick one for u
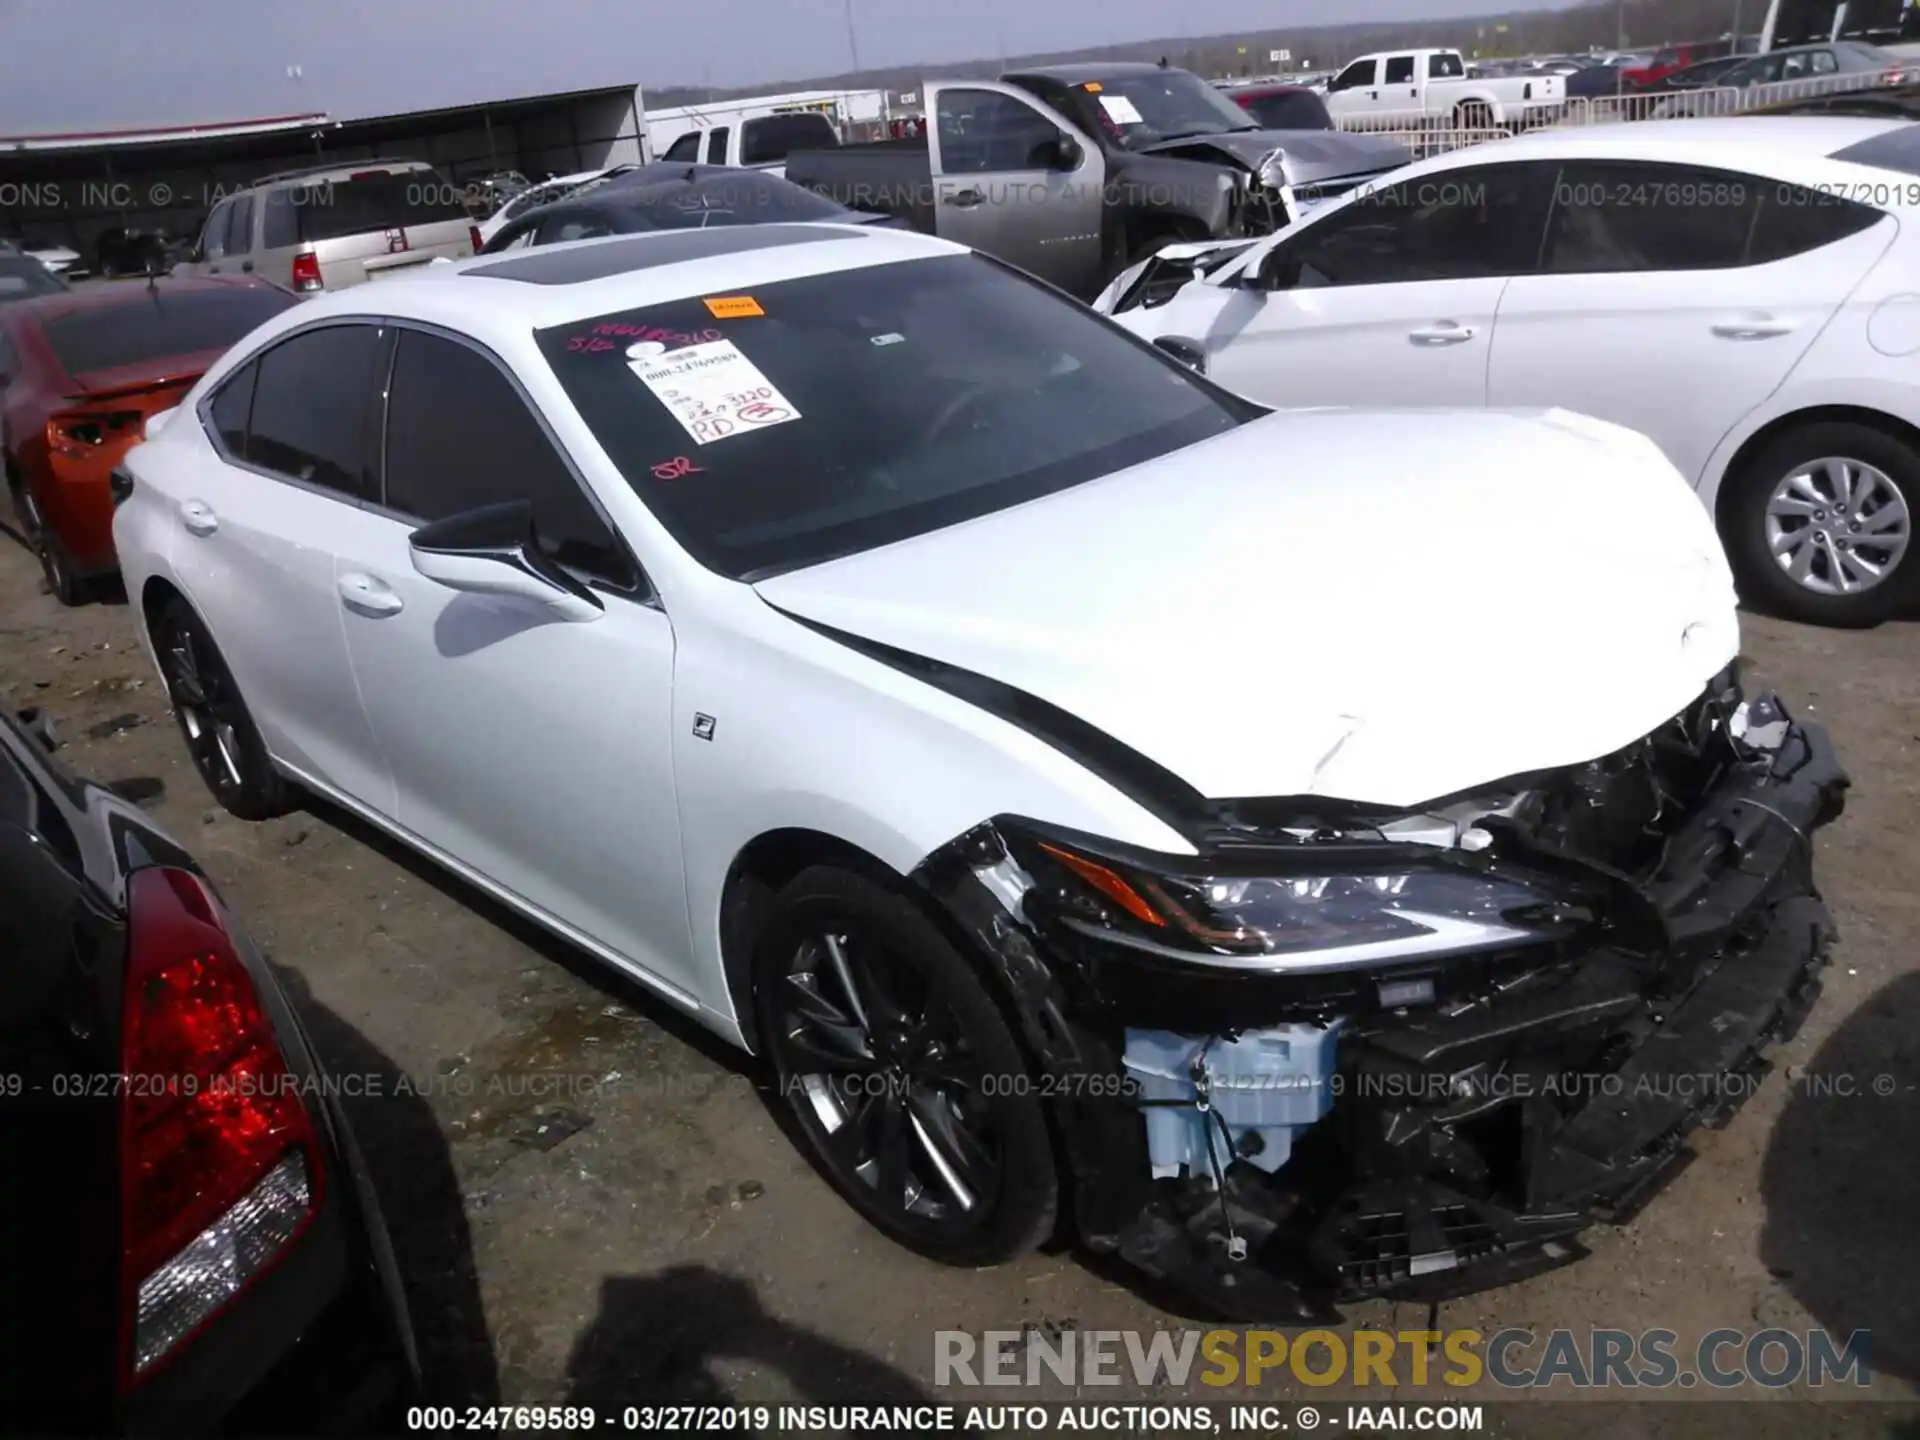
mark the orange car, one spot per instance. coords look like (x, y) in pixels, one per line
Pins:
(80, 373)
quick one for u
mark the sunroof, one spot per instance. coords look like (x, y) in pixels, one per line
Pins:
(572, 264)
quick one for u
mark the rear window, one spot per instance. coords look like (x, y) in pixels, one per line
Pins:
(1897, 150)
(1290, 110)
(159, 326)
(384, 200)
(737, 199)
(22, 276)
(770, 138)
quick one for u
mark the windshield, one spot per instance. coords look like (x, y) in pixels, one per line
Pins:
(22, 277)
(832, 414)
(1140, 109)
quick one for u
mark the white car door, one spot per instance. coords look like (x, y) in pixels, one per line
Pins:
(294, 447)
(1355, 90)
(533, 748)
(1388, 300)
(1674, 300)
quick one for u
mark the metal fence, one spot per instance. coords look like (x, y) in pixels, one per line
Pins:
(1429, 135)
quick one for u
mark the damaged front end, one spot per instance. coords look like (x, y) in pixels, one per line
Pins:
(1340, 1054)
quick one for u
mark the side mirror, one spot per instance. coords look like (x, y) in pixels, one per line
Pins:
(1067, 154)
(493, 551)
(1190, 353)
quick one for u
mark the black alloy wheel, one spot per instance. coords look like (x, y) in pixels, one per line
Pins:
(221, 737)
(901, 1072)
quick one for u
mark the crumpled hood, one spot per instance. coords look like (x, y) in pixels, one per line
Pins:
(1385, 607)
(1311, 155)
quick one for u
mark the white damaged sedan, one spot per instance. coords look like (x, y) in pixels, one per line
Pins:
(1059, 769)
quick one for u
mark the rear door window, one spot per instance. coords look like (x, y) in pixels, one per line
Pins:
(213, 239)
(1399, 70)
(1615, 217)
(717, 145)
(240, 227)
(460, 436)
(314, 417)
(231, 406)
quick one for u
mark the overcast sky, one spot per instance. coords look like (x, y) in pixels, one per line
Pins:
(102, 64)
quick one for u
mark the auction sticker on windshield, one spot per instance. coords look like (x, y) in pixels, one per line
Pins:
(712, 389)
(1120, 109)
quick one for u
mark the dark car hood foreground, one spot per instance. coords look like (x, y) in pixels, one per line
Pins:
(1309, 155)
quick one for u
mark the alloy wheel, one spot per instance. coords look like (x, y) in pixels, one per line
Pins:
(887, 1080)
(1837, 526)
(209, 711)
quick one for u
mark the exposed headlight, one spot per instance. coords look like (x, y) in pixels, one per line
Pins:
(1273, 170)
(1325, 920)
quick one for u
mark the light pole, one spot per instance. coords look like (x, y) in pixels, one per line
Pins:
(853, 40)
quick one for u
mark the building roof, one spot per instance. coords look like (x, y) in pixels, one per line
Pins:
(161, 135)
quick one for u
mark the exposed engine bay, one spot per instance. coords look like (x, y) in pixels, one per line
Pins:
(1342, 1053)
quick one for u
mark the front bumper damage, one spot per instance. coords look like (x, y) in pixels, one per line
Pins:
(1441, 1127)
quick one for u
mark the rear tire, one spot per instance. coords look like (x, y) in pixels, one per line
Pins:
(902, 1074)
(214, 720)
(1812, 519)
(62, 580)
(1472, 115)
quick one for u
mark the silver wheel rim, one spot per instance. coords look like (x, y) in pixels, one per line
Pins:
(1837, 526)
(883, 1100)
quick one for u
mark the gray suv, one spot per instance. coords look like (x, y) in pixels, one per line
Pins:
(326, 229)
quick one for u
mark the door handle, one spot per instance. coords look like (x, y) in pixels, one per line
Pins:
(198, 517)
(1441, 332)
(369, 596)
(966, 199)
(1754, 327)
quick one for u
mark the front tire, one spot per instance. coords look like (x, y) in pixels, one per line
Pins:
(908, 1087)
(221, 737)
(1819, 525)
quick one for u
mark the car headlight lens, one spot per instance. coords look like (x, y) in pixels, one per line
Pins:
(1326, 920)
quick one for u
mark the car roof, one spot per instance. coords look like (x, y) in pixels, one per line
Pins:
(1090, 70)
(507, 294)
(1803, 136)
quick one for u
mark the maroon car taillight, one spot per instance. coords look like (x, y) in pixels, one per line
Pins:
(306, 272)
(473, 238)
(220, 1167)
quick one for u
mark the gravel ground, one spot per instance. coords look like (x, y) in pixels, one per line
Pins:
(593, 1203)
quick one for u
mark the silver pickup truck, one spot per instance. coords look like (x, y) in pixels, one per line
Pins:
(1076, 172)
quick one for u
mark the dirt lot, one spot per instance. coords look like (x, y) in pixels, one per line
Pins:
(593, 1203)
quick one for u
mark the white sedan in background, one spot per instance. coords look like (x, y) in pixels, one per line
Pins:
(1746, 291)
(545, 193)
(915, 678)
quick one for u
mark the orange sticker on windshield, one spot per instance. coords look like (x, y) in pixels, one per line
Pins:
(1093, 87)
(732, 307)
